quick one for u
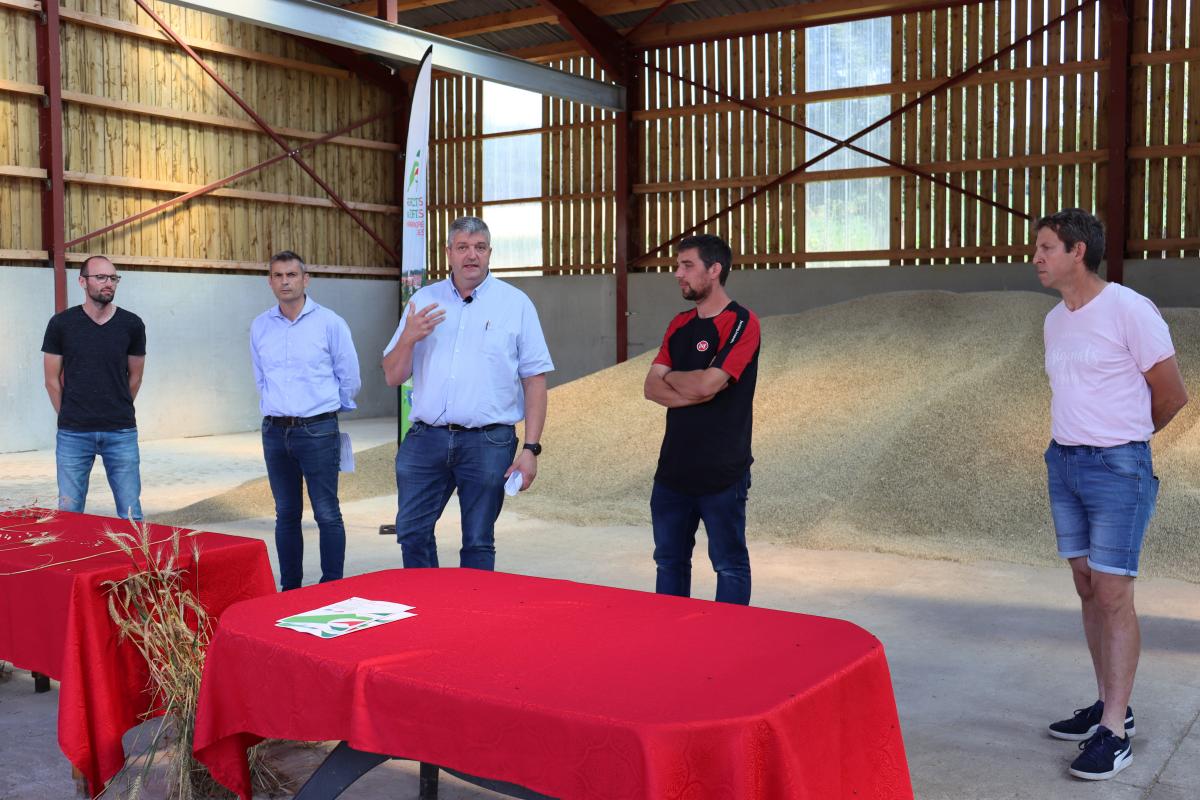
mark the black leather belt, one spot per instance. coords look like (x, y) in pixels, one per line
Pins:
(454, 427)
(291, 422)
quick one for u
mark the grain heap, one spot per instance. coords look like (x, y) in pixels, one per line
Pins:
(911, 422)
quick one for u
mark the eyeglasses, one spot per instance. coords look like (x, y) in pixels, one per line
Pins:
(105, 278)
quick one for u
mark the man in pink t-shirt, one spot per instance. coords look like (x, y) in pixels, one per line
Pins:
(1114, 382)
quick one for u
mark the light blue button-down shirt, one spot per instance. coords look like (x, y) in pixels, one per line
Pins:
(306, 366)
(468, 371)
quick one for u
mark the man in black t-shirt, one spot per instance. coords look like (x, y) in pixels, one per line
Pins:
(94, 357)
(704, 374)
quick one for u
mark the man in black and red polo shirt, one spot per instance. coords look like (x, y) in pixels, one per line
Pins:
(704, 374)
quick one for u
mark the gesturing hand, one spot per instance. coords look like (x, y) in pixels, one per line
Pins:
(420, 324)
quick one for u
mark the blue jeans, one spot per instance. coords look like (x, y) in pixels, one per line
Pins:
(1101, 499)
(676, 516)
(308, 453)
(430, 465)
(76, 451)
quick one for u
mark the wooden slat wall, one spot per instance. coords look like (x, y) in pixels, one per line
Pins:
(1030, 132)
(578, 182)
(20, 198)
(123, 154)
(456, 173)
(1164, 195)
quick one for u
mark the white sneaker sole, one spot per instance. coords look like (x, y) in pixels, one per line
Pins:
(1081, 737)
(1123, 761)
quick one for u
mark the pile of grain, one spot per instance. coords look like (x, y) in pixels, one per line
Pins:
(909, 422)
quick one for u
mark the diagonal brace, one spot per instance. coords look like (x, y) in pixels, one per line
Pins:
(949, 82)
(203, 190)
(845, 143)
(269, 131)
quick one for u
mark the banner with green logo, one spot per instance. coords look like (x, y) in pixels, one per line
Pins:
(415, 246)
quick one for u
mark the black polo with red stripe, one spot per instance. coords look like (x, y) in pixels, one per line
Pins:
(706, 448)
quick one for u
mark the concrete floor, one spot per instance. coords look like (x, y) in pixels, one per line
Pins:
(983, 655)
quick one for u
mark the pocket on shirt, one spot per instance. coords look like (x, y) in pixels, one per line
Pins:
(500, 344)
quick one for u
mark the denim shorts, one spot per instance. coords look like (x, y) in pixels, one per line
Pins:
(1101, 499)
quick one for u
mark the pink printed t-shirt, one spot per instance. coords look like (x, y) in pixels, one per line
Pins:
(1095, 359)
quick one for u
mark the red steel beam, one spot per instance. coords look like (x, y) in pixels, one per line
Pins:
(1117, 211)
(946, 84)
(50, 147)
(628, 156)
(644, 21)
(387, 11)
(203, 190)
(267, 129)
(599, 39)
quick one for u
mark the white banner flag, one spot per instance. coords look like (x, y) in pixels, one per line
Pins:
(416, 170)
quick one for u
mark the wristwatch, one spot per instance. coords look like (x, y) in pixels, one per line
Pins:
(533, 447)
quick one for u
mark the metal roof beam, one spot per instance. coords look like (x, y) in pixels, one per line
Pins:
(345, 28)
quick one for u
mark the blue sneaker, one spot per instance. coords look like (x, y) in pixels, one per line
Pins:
(1103, 756)
(1083, 725)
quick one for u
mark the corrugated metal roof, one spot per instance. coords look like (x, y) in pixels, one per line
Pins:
(541, 34)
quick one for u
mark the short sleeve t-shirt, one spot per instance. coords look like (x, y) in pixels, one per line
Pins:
(1095, 360)
(95, 395)
(706, 448)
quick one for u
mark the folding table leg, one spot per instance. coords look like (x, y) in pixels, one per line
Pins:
(429, 782)
(41, 683)
(340, 768)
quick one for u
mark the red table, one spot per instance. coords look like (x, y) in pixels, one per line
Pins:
(575, 691)
(54, 619)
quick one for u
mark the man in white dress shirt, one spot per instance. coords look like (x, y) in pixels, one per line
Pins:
(475, 350)
(307, 371)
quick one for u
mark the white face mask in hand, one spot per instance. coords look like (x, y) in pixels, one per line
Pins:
(513, 484)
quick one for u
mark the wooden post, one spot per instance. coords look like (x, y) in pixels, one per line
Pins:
(50, 147)
(1118, 135)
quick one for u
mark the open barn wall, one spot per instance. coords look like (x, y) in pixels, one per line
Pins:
(142, 123)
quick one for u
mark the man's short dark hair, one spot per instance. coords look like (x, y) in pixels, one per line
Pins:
(83, 268)
(287, 255)
(469, 226)
(1073, 225)
(713, 250)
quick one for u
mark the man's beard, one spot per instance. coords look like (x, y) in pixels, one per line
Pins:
(697, 295)
(100, 298)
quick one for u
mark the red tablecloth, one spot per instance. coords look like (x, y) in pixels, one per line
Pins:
(575, 691)
(54, 619)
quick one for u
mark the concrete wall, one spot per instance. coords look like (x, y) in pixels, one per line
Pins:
(198, 379)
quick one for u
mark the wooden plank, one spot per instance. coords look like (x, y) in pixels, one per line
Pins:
(103, 23)
(1155, 177)
(9, 171)
(1003, 192)
(213, 120)
(24, 255)
(1138, 87)
(964, 254)
(1069, 194)
(940, 134)
(1020, 135)
(1087, 110)
(790, 61)
(762, 221)
(890, 89)
(1176, 81)
(1191, 208)
(1037, 119)
(253, 267)
(911, 125)
(896, 133)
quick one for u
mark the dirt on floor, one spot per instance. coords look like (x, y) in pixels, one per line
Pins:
(910, 423)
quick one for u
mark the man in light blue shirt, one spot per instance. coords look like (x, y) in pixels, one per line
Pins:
(475, 349)
(306, 370)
